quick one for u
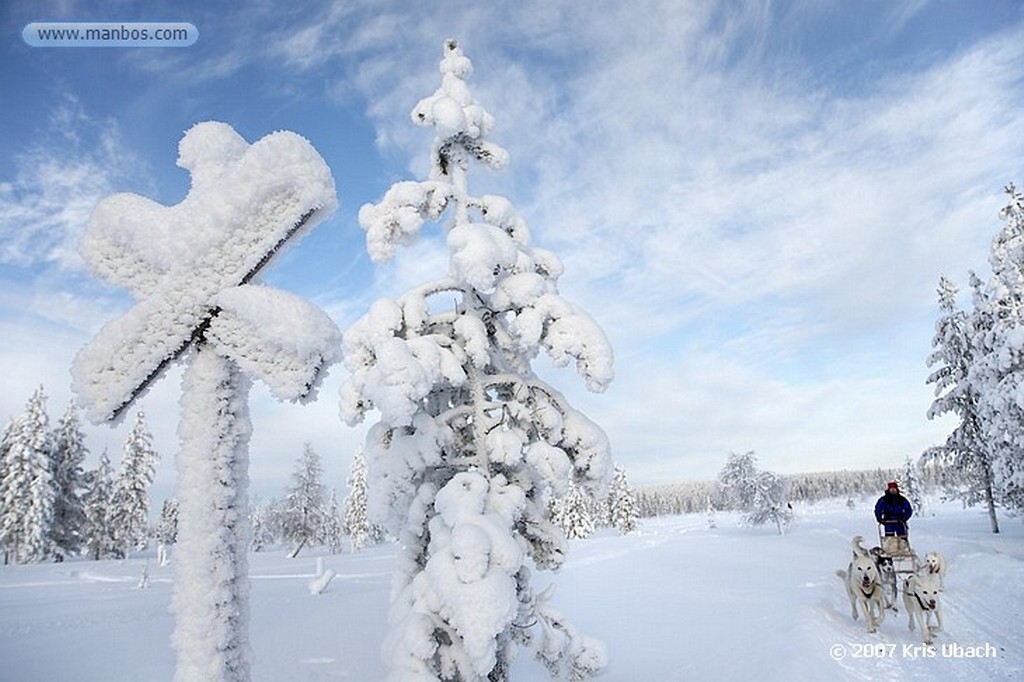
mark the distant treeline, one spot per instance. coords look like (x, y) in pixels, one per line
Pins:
(698, 496)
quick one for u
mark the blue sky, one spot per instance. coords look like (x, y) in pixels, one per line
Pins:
(755, 200)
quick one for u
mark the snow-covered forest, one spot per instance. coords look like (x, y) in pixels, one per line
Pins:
(108, 511)
(52, 508)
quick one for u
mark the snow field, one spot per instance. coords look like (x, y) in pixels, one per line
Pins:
(674, 601)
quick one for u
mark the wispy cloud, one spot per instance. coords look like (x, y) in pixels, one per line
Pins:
(754, 200)
(722, 178)
(709, 186)
(59, 179)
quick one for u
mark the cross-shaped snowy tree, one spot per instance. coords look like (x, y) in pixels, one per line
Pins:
(192, 267)
(471, 444)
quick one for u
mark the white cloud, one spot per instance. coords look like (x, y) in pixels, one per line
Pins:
(704, 185)
(678, 418)
(756, 212)
(58, 181)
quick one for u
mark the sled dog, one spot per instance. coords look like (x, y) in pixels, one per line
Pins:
(935, 564)
(921, 598)
(886, 576)
(863, 587)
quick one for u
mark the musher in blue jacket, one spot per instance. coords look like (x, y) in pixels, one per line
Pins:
(893, 511)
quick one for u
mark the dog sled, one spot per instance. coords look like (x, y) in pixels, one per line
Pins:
(897, 549)
(896, 560)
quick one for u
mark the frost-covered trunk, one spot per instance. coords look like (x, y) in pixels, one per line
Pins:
(990, 500)
(211, 584)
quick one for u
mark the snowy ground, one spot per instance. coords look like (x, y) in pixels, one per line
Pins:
(674, 601)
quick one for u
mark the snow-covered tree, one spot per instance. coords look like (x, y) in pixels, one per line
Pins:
(259, 536)
(166, 531)
(5, 447)
(912, 487)
(167, 526)
(99, 535)
(6, 516)
(356, 522)
(471, 444)
(760, 495)
(600, 512)
(193, 268)
(332, 532)
(576, 517)
(26, 491)
(768, 502)
(966, 451)
(67, 533)
(622, 505)
(306, 509)
(997, 371)
(129, 503)
(736, 480)
(273, 516)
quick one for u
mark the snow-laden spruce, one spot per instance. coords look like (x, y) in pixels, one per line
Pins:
(27, 493)
(965, 451)
(333, 529)
(193, 268)
(471, 444)
(129, 504)
(166, 531)
(67, 532)
(622, 504)
(996, 372)
(305, 513)
(574, 515)
(356, 522)
(99, 535)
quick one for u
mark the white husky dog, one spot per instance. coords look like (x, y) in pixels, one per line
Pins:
(863, 587)
(921, 598)
(935, 564)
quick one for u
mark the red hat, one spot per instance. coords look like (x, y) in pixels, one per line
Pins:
(892, 485)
